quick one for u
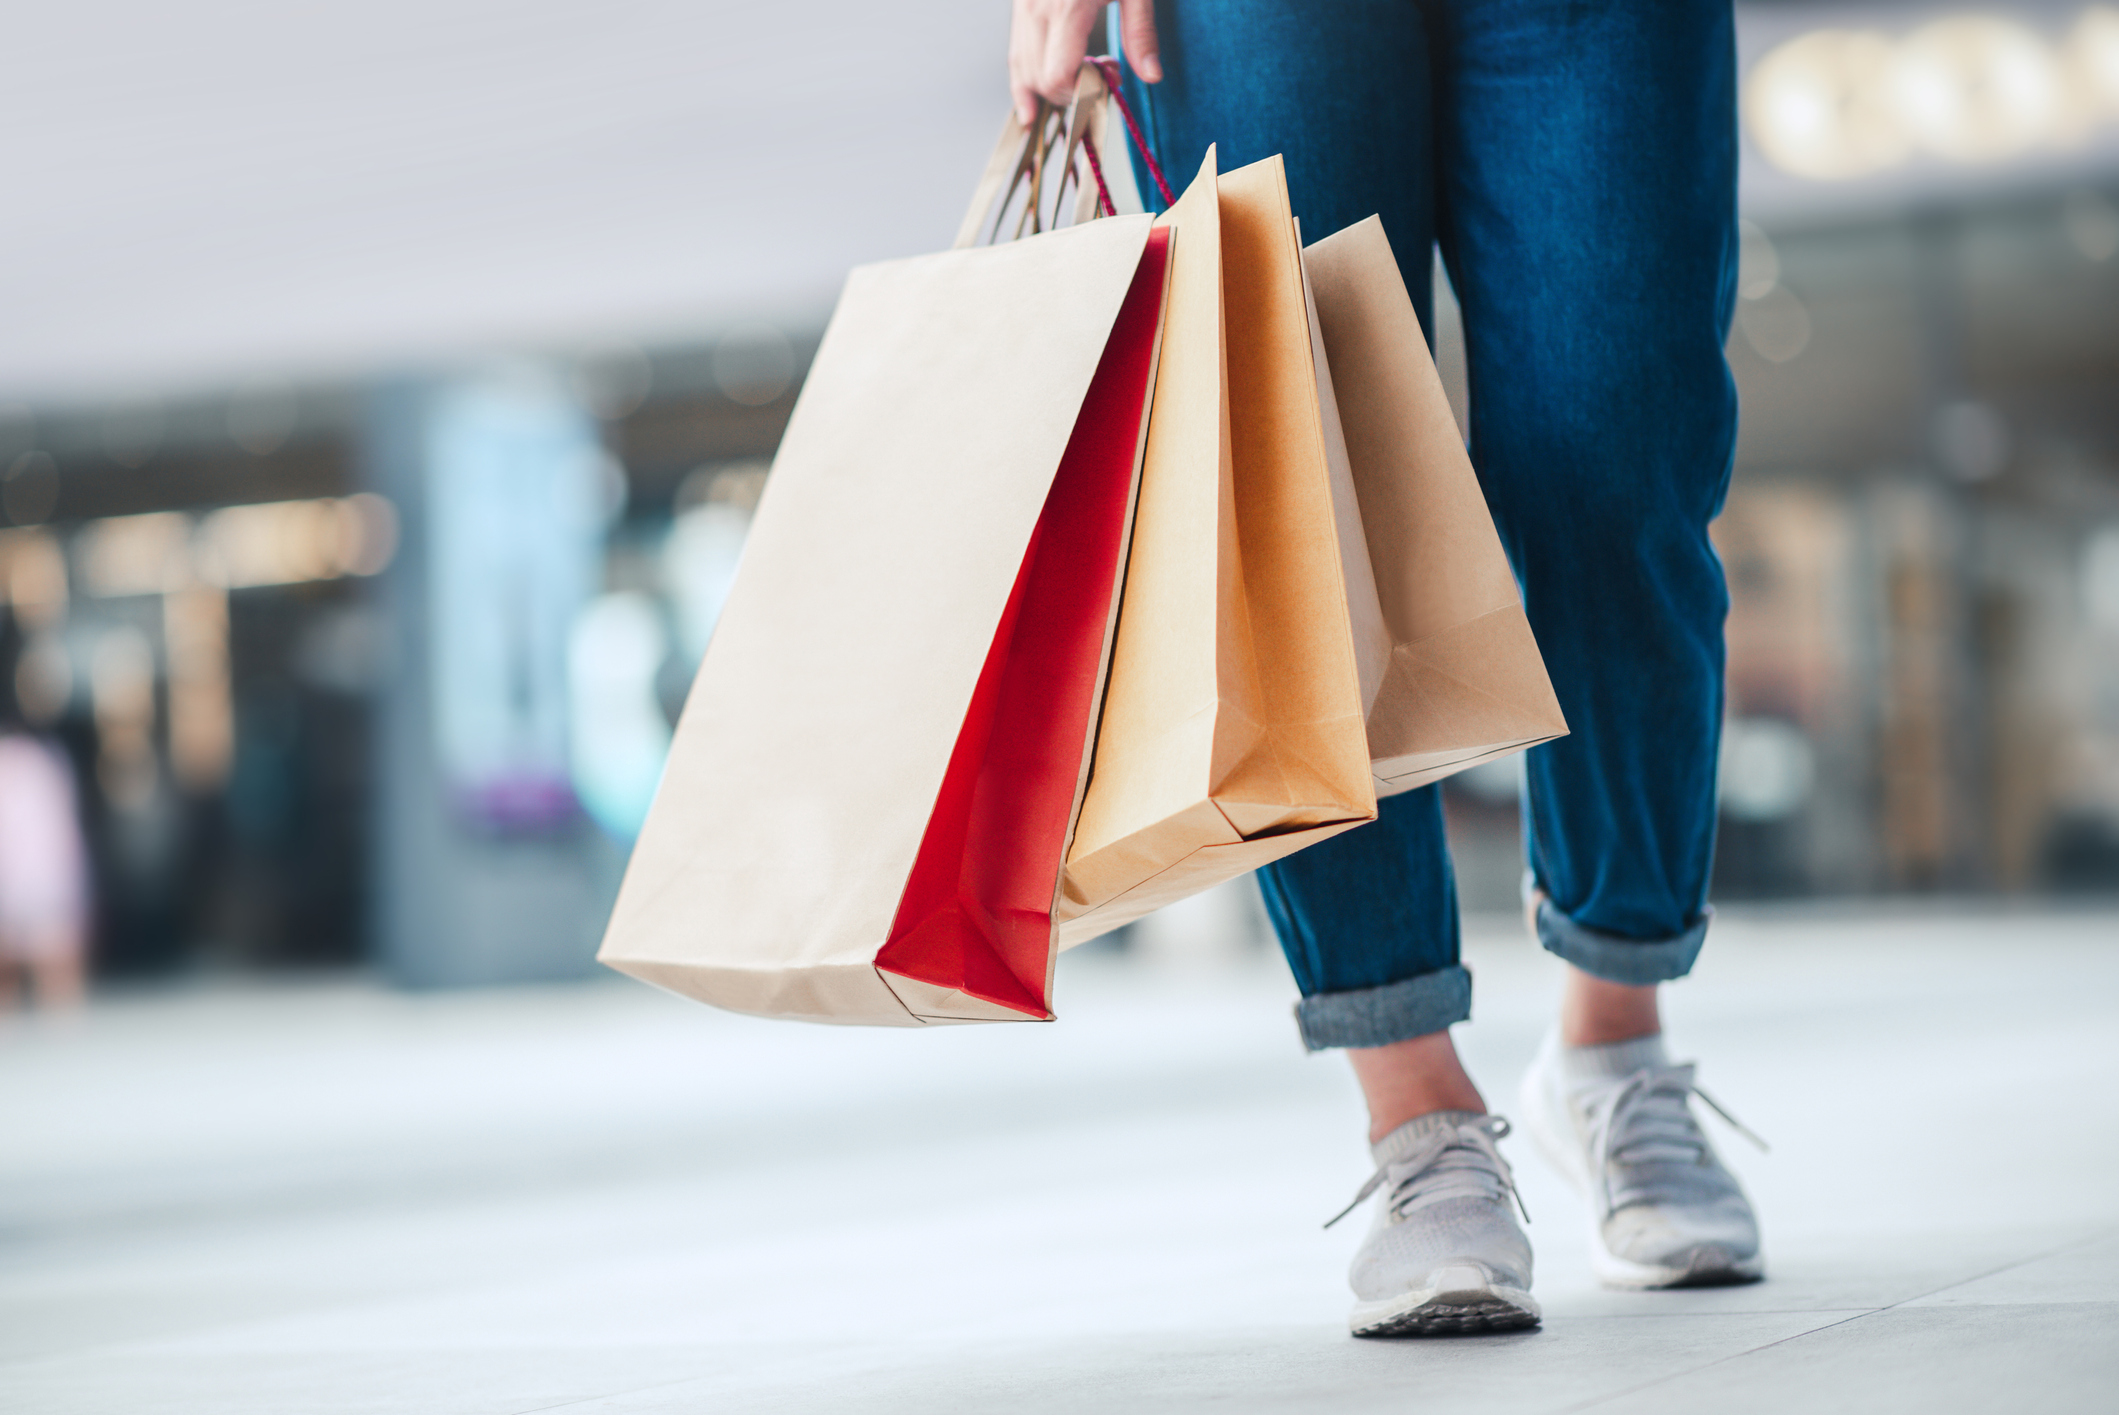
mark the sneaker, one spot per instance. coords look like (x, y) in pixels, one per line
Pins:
(1444, 1253)
(1617, 1123)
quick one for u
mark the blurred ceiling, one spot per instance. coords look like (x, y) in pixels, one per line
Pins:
(226, 189)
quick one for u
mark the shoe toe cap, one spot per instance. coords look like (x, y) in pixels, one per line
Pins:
(1468, 1234)
(1702, 1241)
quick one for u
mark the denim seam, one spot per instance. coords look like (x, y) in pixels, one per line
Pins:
(1393, 1012)
(1634, 962)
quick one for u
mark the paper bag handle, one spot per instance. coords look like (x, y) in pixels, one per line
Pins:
(1025, 156)
(1022, 155)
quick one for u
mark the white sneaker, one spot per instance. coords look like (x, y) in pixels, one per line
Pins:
(1444, 1253)
(1617, 1124)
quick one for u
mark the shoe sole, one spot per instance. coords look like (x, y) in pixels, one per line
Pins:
(1461, 1302)
(1709, 1267)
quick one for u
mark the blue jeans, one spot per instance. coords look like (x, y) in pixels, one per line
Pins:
(1576, 162)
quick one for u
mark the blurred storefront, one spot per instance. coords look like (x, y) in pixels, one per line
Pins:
(1920, 536)
(1927, 498)
(382, 673)
(181, 608)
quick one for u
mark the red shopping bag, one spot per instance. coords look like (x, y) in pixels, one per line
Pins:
(976, 918)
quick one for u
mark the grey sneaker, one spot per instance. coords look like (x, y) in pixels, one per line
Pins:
(1443, 1253)
(1663, 1210)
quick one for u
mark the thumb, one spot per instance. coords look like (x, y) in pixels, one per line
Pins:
(1136, 28)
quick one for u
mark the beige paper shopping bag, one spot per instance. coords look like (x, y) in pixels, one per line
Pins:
(861, 646)
(1233, 727)
(1463, 680)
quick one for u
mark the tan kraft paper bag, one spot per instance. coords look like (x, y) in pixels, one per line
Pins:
(1459, 679)
(1233, 730)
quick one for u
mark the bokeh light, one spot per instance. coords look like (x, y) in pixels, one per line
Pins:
(614, 380)
(713, 513)
(135, 555)
(201, 706)
(33, 577)
(1776, 325)
(238, 547)
(1767, 768)
(1820, 105)
(1832, 105)
(754, 364)
(1975, 88)
(617, 735)
(2093, 59)
(1758, 263)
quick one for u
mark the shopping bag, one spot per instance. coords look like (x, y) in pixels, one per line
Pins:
(1233, 729)
(1459, 679)
(868, 796)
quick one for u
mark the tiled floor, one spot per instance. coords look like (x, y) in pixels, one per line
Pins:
(598, 1199)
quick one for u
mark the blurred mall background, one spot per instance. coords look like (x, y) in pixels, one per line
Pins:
(385, 389)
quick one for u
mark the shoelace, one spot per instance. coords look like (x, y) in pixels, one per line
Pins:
(1645, 1118)
(1459, 1161)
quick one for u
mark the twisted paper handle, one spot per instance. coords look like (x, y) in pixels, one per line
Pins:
(1029, 155)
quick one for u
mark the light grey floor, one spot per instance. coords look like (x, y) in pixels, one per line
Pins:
(332, 1199)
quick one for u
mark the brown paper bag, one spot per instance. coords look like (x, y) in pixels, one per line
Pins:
(1372, 636)
(1462, 680)
(1233, 726)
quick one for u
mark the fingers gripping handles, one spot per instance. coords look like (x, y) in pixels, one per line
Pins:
(1029, 163)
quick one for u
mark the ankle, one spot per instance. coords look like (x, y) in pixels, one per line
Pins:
(1596, 1012)
(1412, 1078)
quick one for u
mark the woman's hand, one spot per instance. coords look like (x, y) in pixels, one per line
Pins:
(1048, 38)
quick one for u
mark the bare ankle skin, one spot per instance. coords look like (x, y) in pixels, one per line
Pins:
(1594, 1012)
(1412, 1078)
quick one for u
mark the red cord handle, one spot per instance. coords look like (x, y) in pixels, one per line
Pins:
(1108, 67)
(1104, 204)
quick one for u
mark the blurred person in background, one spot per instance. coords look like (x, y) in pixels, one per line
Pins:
(1577, 165)
(43, 873)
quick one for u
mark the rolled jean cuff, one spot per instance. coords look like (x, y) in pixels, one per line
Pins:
(1376, 1017)
(1620, 960)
